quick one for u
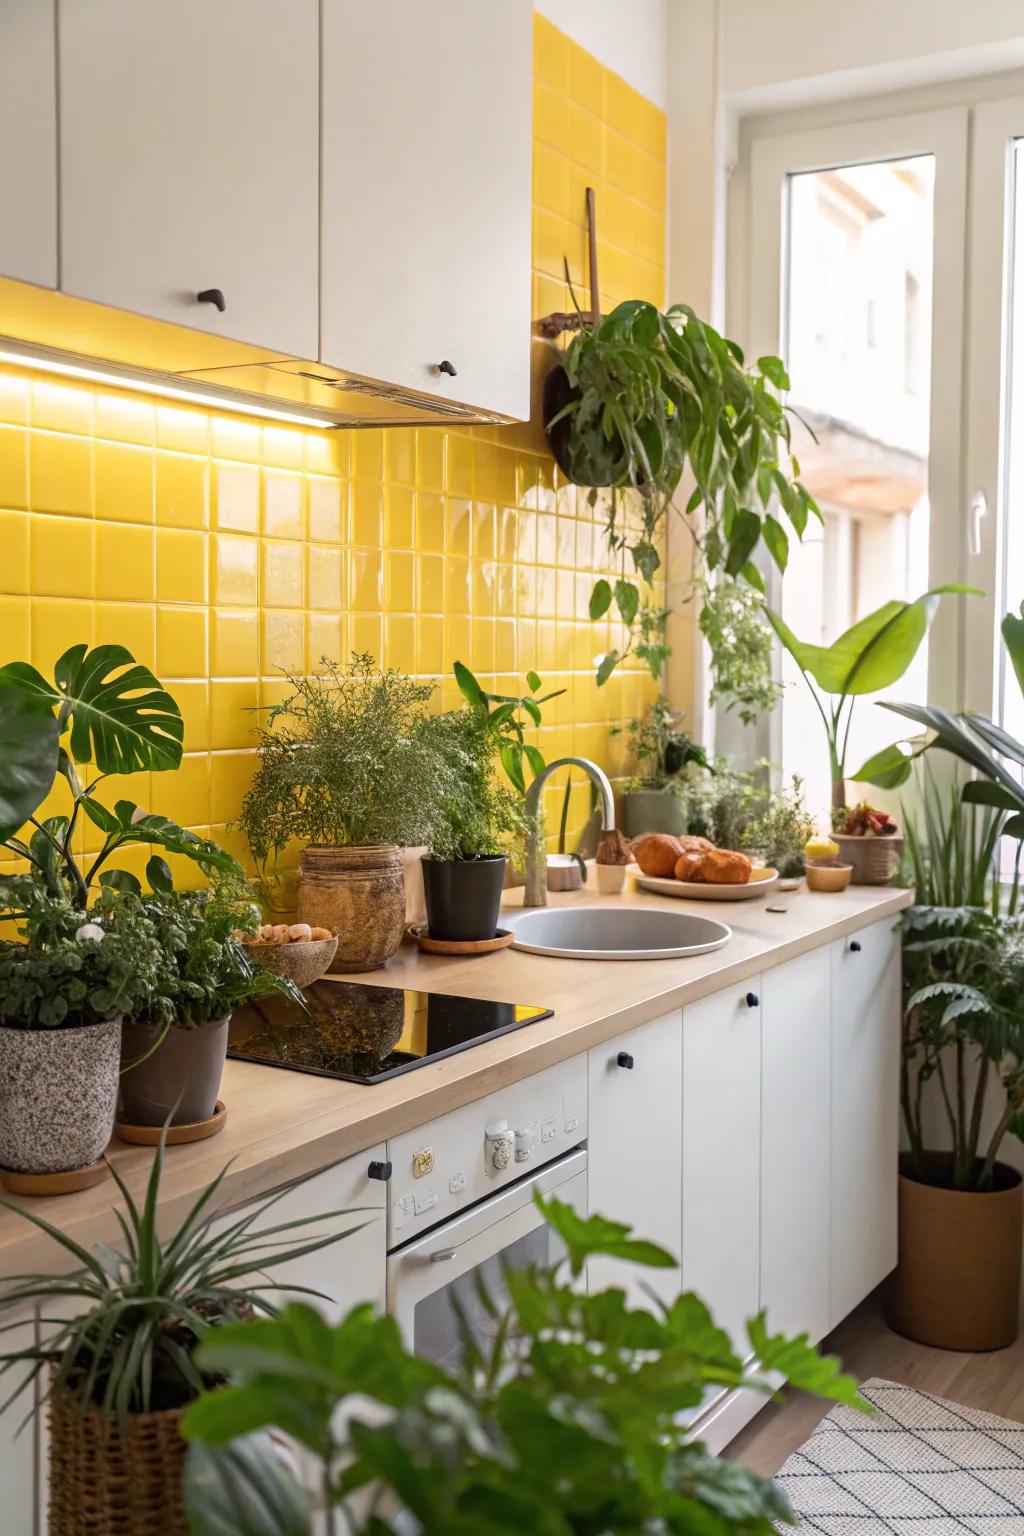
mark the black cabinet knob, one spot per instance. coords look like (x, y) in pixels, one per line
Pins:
(751, 999)
(380, 1171)
(212, 296)
(449, 368)
(624, 1059)
(855, 946)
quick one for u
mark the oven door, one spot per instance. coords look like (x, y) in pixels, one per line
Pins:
(505, 1231)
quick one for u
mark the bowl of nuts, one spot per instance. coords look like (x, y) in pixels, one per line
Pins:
(295, 950)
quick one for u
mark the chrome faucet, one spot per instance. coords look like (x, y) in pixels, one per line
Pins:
(536, 892)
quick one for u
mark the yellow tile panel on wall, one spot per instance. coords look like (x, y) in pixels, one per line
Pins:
(221, 549)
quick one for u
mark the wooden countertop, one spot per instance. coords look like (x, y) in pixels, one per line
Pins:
(283, 1125)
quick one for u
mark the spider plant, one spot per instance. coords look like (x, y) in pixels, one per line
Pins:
(138, 1311)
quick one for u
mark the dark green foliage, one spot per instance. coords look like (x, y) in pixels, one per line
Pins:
(566, 1421)
(660, 748)
(475, 811)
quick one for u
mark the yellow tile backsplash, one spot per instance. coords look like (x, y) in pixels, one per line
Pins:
(221, 550)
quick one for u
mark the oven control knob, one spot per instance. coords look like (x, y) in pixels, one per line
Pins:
(499, 1147)
(524, 1146)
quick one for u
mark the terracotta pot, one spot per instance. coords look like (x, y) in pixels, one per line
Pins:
(114, 1477)
(957, 1285)
(359, 894)
(180, 1078)
(58, 1092)
(463, 896)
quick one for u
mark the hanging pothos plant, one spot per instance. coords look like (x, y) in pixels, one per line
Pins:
(637, 399)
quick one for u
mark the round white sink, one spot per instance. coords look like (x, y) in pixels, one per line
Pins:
(609, 933)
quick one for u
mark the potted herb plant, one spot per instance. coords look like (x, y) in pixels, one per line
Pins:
(780, 830)
(64, 989)
(571, 1413)
(174, 1048)
(346, 771)
(957, 1285)
(632, 401)
(116, 1360)
(654, 799)
(464, 870)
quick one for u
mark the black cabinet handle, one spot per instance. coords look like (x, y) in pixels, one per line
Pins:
(381, 1171)
(449, 368)
(212, 296)
(751, 999)
(624, 1059)
(855, 946)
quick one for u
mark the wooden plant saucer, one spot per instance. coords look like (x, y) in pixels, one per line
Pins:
(177, 1135)
(64, 1183)
(419, 934)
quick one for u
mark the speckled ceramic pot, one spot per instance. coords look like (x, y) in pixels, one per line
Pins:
(58, 1092)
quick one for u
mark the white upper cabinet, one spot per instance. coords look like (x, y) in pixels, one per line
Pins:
(28, 141)
(426, 199)
(189, 162)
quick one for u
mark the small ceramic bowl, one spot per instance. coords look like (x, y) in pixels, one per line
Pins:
(828, 877)
(303, 962)
(609, 878)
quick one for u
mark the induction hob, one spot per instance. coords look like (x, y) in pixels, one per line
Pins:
(366, 1034)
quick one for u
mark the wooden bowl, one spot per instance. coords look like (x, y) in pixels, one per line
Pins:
(828, 877)
(303, 962)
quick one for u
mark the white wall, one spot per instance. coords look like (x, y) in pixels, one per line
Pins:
(627, 36)
(785, 53)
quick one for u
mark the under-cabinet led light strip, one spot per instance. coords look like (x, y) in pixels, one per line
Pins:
(143, 384)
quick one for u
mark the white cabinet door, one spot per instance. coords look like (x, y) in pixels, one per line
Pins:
(18, 1450)
(635, 1149)
(426, 201)
(348, 1272)
(28, 136)
(865, 1112)
(722, 1155)
(189, 162)
(796, 1144)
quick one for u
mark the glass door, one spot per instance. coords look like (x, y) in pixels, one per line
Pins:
(857, 241)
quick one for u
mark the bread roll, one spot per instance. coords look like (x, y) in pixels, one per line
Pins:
(688, 865)
(722, 866)
(690, 843)
(657, 853)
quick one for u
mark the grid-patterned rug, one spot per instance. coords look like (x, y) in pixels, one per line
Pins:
(918, 1466)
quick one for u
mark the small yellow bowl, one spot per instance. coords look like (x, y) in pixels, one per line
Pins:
(828, 877)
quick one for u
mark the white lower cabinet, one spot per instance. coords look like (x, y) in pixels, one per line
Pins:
(796, 1143)
(18, 1446)
(865, 1112)
(722, 1155)
(635, 1149)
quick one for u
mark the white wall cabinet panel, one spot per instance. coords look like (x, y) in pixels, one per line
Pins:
(426, 200)
(18, 1451)
(28, 141)
(865, 1112)
(189, 137)
(635, 1148)
(722, 1155)
(796, 1144)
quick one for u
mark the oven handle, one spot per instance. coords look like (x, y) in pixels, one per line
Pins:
(443, 1255)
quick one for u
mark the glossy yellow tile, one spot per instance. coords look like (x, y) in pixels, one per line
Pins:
(125, 563)
(62, 558)
(14, 561)
(234, 569)
(325, 566)
(181, 638)
(181, 566)
(13, 467)
(236, 500)
(60, 473)
(327, 504)
(282, 505)
(182, 490)
(235, 643)
(124, 482)
(131, 624)
(283, 585)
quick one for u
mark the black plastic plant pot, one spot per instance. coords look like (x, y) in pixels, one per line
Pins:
(558, 392)
(463, 896)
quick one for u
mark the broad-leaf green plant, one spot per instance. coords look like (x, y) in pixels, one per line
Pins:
(510, 717)
(567, 1414)
(873, 654)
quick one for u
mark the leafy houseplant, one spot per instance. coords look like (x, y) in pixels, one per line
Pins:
(871, 655)
(567, 1419)
(346, 768)
(102, 708)
(173, 1048)
(633, 402)
(653, 799)
(117, 1357)
(63, 992)
(781, 830)
(464, 870)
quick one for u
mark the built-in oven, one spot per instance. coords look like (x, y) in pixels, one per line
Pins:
(462, 1208)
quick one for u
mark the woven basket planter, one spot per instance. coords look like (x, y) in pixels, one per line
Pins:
(115, 1478)
(875, 859)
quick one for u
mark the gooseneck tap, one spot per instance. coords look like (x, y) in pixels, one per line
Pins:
(536, 892)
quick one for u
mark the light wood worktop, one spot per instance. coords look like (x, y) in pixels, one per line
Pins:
(283, 1125)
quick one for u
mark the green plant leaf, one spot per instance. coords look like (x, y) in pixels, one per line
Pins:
(121, 880)
(889, 768)
(609, 661)
(746, 532)
(585, 1236)
(532, 709)
(158, 873)
(100, 816)
(627, 600)
(1013, 638)
(774, 369)
(535, 758)
(533, 682)
(28, 760)
(600, 599)
(242, 1489)
(512, 762)
(469, 687)
(119, 713)
(777, 541)
(803, 1367)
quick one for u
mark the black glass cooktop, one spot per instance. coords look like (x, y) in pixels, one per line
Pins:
(366, 1034)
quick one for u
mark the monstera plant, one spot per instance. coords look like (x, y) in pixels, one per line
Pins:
(632, 402)
(102, 710)
(866, 658)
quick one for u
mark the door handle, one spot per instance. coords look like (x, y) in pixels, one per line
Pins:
(624, 1059)
(855, 946)
(977, 511)
(751, 999)
(214, 296)
(443, 1255)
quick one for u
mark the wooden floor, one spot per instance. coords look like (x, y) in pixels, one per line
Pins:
(992, 1382)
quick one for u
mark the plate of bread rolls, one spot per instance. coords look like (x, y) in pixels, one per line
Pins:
(693, 867)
